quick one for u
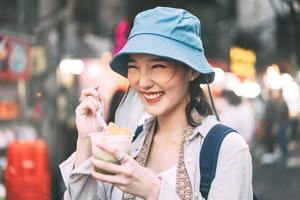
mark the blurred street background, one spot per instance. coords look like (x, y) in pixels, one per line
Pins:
(51, 49)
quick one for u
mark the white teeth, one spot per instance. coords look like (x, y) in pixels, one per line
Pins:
(153, 96)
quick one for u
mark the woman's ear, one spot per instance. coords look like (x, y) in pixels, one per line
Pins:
(193, 74)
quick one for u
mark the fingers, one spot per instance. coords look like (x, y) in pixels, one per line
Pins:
(95, 93)
(89, 92)
(117, 179)
(100, 96)
(106, 166)
(89, 104)
(113, 151)
(92, 101)
(125, 169)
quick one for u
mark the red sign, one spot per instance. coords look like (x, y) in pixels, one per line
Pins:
(9, 110)
(27, 174)
(9, 103)
(14, 58)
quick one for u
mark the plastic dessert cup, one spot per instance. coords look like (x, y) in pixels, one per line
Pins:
(121, 142)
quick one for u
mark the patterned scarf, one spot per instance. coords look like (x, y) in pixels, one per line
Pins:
(183, 184)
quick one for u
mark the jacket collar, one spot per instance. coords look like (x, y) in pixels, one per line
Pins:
(148, 123)
(206, 124)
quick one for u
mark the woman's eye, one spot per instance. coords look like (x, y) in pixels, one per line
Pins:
(132, 67)
(158, 66)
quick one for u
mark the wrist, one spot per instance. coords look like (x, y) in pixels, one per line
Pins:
(83, 143)
(83, 150)
(83, 136)
(155, 190)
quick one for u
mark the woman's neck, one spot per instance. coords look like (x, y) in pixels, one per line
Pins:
(172, 123)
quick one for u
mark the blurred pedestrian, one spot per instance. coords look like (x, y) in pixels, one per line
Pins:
(281, 125)
(269, 135)
(165, 64)
(276, 126)
(243, 121)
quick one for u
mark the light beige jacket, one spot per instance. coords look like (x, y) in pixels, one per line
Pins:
(233, 175)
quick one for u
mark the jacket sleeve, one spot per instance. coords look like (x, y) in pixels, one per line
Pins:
(233, 178)
(80, 185)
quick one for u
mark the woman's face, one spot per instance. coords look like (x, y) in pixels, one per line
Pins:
(161, 84)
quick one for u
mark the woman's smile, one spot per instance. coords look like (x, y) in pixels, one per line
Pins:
(152, 97)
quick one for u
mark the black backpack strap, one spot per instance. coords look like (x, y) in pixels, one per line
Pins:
(138, 130)
(209, 156)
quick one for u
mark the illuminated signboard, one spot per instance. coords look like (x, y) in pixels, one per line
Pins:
(15, 59)
(242, 62)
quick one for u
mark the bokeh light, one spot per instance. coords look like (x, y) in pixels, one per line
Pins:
(74, 66)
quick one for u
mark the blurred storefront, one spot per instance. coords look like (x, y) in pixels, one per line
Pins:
(15, 73)
(51, 50)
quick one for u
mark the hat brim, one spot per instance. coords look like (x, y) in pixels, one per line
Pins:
(165, 47)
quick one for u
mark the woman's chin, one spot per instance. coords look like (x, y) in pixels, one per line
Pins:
(154, 111)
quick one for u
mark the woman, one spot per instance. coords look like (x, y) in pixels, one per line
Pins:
(164, 62)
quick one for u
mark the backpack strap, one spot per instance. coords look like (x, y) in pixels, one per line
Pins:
(209, 156)
(137, 132)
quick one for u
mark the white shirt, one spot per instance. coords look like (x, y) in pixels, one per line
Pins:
(233, 178)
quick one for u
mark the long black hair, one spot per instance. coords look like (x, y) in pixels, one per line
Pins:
(198, 102)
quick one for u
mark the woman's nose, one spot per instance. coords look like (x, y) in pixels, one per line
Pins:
(145, 80)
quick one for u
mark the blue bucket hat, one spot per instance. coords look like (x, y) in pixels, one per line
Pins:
(166, 32)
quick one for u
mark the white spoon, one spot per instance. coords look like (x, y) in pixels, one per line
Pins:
(99, 115)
